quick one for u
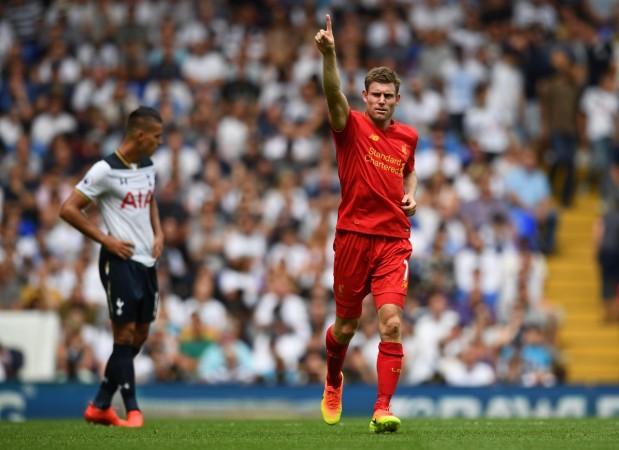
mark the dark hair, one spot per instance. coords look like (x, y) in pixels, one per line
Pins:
(382, 75)
(481, 87)
(140, 117)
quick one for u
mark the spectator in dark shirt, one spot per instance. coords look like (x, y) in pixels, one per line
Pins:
(607, 238)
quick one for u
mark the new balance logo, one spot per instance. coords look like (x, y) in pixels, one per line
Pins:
(123, 181)
(125, 386)
(374, 137)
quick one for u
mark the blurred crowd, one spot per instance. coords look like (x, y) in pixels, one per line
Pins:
(513, 102)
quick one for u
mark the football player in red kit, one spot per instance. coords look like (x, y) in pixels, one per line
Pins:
(376, 166)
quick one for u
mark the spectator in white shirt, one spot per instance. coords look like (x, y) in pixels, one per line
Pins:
(55, 120)
(233, 132)
(467, 369)
(69, 69)
(96, 90)
(485, 125)
(478, 257)
(282, 321)
(289, 252)
(599, 106)
(420, 106)
(506, 90)
(535, 12)
(389, 36)
(11, 131)
(436, 159)
(246, 240)
(460, 76)
(211, 311)
(435, 15)
(204, 65)
(286, 201)
(431, 330)
(176, 159)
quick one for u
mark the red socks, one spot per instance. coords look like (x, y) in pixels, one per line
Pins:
(336, 353)
(388, 367)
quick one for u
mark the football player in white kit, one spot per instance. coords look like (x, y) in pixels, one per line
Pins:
(123, 186)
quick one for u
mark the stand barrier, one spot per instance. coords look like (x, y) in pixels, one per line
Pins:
(21, 402)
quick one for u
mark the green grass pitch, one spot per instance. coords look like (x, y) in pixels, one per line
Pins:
(350, 433)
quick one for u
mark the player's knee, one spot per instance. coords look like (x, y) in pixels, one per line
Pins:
(124, 333)
(140, 334)
(139, 339)
(391, 328)
(346, 330)
(123, 340)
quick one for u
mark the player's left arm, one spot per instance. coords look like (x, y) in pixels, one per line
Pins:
(157, 230)
(409, 205)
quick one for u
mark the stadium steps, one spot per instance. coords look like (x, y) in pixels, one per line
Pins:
(590, 347)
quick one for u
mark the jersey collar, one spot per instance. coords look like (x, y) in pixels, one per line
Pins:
(125, 161)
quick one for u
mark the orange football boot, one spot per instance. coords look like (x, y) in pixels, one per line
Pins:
(134, 419)
(331, 405)
(383, 420)
(102, 416)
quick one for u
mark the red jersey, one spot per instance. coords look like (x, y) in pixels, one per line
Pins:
(371, 165)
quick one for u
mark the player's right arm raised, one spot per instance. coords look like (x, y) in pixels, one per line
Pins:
(336, 100)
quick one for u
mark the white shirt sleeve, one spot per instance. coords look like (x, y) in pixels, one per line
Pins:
(585, 102)
(95, 181)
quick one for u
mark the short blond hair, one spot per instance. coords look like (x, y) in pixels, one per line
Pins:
(382, 75)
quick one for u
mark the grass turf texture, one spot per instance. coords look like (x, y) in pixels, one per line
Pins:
(443, 434)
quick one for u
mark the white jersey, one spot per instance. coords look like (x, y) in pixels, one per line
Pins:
(600, 108)
(124, 195)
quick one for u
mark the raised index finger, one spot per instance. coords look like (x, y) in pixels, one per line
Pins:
(329, 24)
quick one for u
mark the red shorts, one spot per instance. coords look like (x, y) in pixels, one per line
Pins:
(367, 264)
